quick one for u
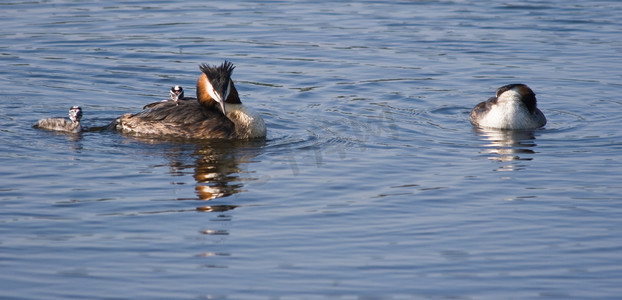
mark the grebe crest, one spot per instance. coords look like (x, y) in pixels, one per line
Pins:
(216, 81)
(62, 124)
(514, 107)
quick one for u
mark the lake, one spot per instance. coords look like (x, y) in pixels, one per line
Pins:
(371, 183)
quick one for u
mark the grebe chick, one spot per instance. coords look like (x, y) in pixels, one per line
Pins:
(514, 107)
(217, 112)
(176, 94)
(62, 124)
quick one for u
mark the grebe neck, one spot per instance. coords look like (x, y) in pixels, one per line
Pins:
(203, 94)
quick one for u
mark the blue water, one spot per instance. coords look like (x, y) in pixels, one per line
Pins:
(371, 183)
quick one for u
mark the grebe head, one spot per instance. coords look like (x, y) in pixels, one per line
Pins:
(177, 92)
(519, 91)
(75, 114)
(215, 83)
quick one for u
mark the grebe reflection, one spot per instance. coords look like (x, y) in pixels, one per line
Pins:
(508, 146)
(217, 168)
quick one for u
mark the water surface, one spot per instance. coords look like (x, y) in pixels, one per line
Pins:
(371, 183)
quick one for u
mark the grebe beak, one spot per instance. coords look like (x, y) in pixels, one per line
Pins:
(221, 96)
(225, 94)
(221, 100)
(222, 105)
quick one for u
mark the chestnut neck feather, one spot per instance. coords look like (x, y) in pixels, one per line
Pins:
(206, 100)
(202, 95)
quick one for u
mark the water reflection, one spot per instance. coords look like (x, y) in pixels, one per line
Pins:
(74, 139)
(508, 146)
(216, 172)
(217, 169)
(216, 166)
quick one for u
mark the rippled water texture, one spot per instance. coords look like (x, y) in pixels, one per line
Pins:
(371, 183)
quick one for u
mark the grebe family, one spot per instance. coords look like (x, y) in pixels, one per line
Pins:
(216, 113)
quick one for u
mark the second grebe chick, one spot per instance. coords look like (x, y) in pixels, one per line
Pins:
(176, 94)
(217, 112)
(514, 107)
(62, 124)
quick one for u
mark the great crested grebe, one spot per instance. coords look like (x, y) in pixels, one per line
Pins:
(176, 94)
(217, 113)
(62, 124)
(514, 107)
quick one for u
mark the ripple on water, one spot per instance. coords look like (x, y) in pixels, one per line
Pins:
(371, 178)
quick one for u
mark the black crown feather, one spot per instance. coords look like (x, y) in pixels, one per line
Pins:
(223, 70)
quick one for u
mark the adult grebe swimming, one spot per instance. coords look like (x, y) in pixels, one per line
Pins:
(176, 94)
(514, 107)
(217, 113)
(62, 124)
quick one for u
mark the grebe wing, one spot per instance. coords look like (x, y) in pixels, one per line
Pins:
(188, 120)
(481, 109)
(150, 105)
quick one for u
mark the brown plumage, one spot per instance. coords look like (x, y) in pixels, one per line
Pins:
(201, 119)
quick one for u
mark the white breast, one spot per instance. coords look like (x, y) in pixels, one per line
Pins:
(507, 115)
(248, 123)
(510, 113)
